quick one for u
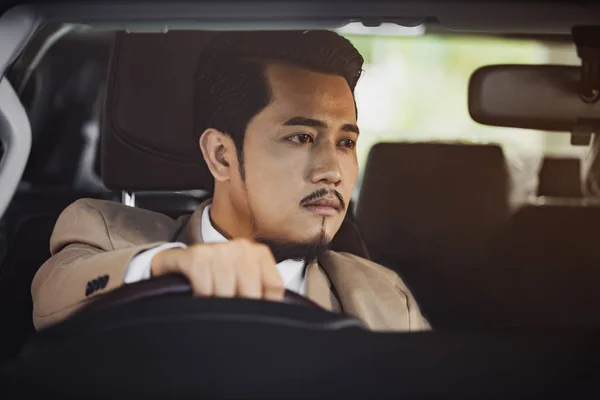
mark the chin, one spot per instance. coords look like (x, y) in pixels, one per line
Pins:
(299, 239)
(306, 231)
(307, 235)
(310, 233)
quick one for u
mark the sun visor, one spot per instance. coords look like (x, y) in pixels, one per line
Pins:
(541, 97)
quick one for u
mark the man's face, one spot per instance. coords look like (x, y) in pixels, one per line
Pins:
(299, 157)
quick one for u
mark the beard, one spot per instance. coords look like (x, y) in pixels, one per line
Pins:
(282, 249)
(306, 251)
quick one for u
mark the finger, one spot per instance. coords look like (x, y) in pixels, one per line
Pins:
(249, 280)
(167, 261)
(272, 282)
(224, 275)
(199, 273)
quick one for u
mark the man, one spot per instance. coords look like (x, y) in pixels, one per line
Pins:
(276, 126)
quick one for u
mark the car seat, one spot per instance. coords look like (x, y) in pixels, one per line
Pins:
(546, 266)
(560, 177)
(429, 211)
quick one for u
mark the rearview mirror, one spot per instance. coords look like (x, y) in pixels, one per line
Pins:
(542, 97)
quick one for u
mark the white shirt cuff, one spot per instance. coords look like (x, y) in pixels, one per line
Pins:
(139, 267)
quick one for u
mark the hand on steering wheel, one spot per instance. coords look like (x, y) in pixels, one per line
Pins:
(168, 285)
(237, 268)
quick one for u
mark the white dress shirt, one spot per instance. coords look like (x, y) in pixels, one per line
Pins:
(292, 271)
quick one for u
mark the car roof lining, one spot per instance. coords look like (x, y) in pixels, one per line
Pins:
(540, 17)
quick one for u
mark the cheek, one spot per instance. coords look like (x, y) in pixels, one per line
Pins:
(276, 171)
(349, 167)
(274, 184)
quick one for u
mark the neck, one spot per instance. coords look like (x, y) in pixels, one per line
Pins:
(227, 219)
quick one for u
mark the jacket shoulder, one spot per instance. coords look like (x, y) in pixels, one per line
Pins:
(381, 281)
(364, 265)
(109, 225)
(113, 210)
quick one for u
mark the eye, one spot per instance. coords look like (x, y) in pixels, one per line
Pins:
(302, 138)
(348, 143)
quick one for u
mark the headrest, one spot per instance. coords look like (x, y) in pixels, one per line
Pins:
(560, 177)
(420, 196)
(147, 124)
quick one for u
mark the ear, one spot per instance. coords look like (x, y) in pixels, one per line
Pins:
(217, 150)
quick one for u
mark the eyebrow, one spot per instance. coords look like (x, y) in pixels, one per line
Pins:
(315, 123)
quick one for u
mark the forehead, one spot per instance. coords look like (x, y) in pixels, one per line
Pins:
(300, 91)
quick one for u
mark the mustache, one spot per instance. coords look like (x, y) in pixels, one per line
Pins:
(320, 193)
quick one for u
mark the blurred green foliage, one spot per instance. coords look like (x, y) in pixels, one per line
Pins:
(415, 89)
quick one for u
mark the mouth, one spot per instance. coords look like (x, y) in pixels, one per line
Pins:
(326, 206)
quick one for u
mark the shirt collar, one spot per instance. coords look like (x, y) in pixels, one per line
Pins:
(209, 233)
(292, 271)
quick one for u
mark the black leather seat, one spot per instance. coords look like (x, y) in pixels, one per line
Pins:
(546, 267)
(560, 177)
(429, 211)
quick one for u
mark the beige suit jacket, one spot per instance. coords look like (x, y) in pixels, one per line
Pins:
(94, 240)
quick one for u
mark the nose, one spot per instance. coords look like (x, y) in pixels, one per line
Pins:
(325, 165)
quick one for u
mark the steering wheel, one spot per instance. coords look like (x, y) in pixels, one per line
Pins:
(236, 348)
(169, 285)
(174, 291)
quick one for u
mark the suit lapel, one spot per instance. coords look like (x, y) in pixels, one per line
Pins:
(191, 230)
(364, 294)
(318, 288)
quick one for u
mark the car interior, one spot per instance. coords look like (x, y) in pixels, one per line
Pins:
(110, 115)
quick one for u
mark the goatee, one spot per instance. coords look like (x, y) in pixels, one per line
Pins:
(307, 252)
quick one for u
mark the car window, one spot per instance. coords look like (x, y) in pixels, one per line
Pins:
(414, 88)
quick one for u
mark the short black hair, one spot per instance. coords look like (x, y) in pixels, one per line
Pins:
(230, 85)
